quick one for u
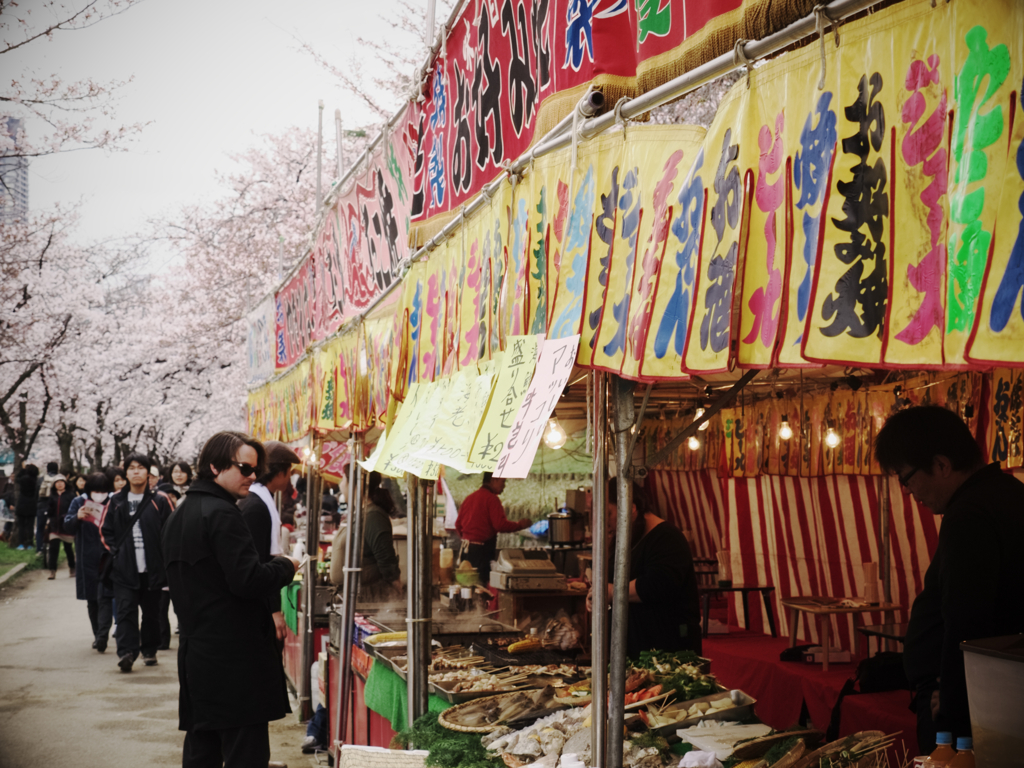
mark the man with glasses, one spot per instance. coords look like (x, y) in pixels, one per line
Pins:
(229, 667)
(974, 587)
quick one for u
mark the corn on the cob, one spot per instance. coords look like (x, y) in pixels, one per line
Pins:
(525, 646)
(384, 637)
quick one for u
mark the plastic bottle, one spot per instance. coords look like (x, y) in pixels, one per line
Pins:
(944, 751)
(964, 757)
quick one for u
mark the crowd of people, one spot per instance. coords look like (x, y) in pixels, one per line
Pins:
(140, 540)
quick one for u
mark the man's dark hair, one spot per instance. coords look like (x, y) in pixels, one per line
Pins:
(272, 471)
(29, 470)
(98, 482)
(220, 450)
(52, 467)
(487, 478)
(142, 458)
(640, 497)
(378, 494)
(915, 436)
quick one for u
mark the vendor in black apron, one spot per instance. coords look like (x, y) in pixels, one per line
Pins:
(481, 519)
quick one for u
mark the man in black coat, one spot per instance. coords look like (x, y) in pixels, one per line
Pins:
(138, 563)
(260, 513)
(974, 587)
(230, 674)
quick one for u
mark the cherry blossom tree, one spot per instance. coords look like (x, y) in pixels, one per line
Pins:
(65, 115)
(52, 291)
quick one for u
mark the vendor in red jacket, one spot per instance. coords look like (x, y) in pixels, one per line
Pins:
(481, 519)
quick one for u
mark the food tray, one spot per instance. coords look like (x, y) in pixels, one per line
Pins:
(743, 711)
(444, 689)
(501, 657)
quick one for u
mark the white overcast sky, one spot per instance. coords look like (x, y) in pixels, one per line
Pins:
(211, 75)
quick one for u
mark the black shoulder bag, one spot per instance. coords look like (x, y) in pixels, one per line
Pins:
(107, 557)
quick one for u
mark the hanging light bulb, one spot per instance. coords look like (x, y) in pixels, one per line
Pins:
(693, 443)
(831, 437)
(785, 431)
(554, 435)
(697, 414)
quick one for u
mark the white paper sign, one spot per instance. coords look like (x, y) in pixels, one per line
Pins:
(554, 366)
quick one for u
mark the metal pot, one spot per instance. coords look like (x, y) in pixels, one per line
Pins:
(560, 527)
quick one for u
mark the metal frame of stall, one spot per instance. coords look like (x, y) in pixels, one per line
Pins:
(614, 409)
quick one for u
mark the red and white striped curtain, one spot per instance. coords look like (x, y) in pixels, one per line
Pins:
(802, 535)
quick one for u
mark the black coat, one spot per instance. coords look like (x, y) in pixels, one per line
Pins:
(155, 511)
(973, 589)
(59, 506)
(257, 517)
(88, 548)
(28, 496)
(668, 614)
(229, 665)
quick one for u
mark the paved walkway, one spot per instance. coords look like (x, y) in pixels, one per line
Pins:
(64, 704)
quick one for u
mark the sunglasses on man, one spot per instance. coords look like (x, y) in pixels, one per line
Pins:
(246, 469)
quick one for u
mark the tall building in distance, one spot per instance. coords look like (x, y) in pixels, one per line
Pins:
(13, 176)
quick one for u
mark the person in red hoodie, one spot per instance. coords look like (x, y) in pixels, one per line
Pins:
(481, 519)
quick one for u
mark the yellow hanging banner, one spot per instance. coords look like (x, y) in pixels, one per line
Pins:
(998, 334)
(663, 155)
(573, 251)
(606, 156)
(709, 334)
(846, 320)
(984, 99)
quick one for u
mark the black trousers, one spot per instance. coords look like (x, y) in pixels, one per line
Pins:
(480, 556)
(165, 622)
(926, 727)
(130, 641)
(101, 616)
(41, 515)
(69, 551)
(24, 530)
(245, 747)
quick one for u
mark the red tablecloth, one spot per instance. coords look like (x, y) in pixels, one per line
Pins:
(750, 661)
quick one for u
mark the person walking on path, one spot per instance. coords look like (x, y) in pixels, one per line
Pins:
(131, 527)
(60, 503)
(83, 522)
(230, 672)
(44, 488)
(25, 506)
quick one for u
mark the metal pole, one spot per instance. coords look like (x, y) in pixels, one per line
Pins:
(348, 605)
(599, 578)
(319, 155)
(419, 617)
(412, 493)
(341, 147)
(426, 524)
(885, 547)
(309, 587)
(623, 417)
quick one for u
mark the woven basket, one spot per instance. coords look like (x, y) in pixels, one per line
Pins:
(442, 718)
